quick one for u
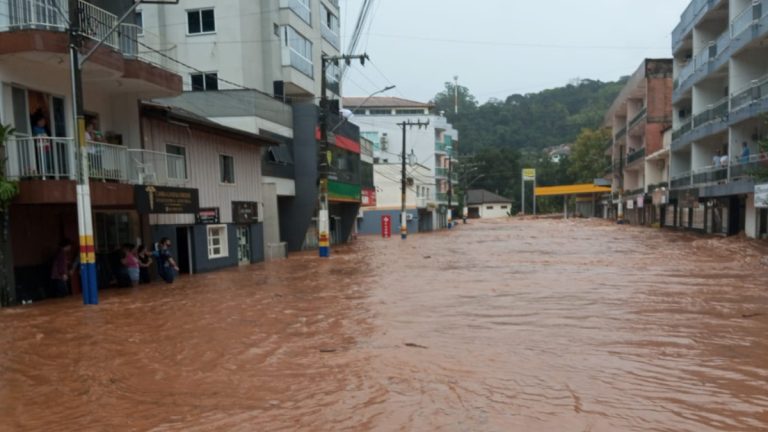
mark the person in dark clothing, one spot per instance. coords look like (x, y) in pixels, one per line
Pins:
(145, 260)
(166, 265)
(60, 269)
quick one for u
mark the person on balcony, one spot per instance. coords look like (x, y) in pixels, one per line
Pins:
(744, 153)
(43, 153)
(724, 160)
(716, 159)
(93, 135)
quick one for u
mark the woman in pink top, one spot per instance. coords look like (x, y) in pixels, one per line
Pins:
(131, 263)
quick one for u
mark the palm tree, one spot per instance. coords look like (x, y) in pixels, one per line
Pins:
(8, 190)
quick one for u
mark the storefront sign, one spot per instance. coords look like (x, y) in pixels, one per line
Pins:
(165, 200)
(245, 212)
(640, 201)
(761, 195)
(208, 216)
(630, 204)
(386, 226)
(368, 197)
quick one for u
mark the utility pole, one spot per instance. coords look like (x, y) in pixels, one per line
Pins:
(403, 180)
(84, 219)
(323, 217)
(450, 189)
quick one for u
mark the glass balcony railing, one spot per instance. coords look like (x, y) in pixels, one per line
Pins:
(620, 133)
(755, 91)
(682, 130)
(300, 8)
(331, 36)
(681, 180)
(742, 22)
(636, 156)
(688, 19)
(715, 111)
(442, 147)
(441, 172)
(710, 174)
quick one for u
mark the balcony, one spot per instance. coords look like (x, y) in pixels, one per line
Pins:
(682, 130)
(709, 174)
(296, 60)
(300, 8)
(441, 173)
(638, 118)
(56, 159)
(635, 156)
(715, 111)
(657, 186)
(621, 132)
(681, 180)
(688, 19)
(755, 91)
(331, 36)
(442, 197)
(421, 202)
(441, 147)
(744, 168)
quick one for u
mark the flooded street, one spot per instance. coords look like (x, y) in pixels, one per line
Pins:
(533, 325)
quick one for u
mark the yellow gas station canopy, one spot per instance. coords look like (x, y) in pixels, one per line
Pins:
(577, 189)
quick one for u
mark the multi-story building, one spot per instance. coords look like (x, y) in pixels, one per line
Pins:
(434, 147)
(257, 67)
(638, 118)
(36, 99)
(274, 46)
(720, 95)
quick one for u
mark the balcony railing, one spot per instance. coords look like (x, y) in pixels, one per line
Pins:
(331, 36)
(442, 147)
(681, 180)
(299, 8)
(56, 159)
(657, 186)
(95, 24)
(635, 156)
(441, 172)
(442, 197)
(709, 174)
(715, 111)
(683, 129)
(688, 18)
(638, 117)
(742, 21)
(747, 167)
(296, 60)
(620, 133)
(756, 90)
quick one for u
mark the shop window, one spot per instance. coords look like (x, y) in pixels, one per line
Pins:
(227, 166)
(201, 21)
(217, 241)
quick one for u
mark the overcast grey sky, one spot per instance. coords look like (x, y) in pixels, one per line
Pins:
(502, 47)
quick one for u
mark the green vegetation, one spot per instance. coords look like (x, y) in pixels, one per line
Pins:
(499, 138)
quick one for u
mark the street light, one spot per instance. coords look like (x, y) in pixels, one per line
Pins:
(347, 114)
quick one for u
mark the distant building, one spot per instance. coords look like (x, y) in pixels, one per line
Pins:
(482, 204)
(558, 153)
(638, 118)
(433, 147)
(720, 98)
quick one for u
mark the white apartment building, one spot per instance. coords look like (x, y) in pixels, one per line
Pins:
(720, 93)
(433, 147)
(274, 46)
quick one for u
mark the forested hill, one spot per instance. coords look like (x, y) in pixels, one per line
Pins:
(528, 122)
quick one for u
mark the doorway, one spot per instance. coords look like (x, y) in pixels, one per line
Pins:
(184, 250)
(243, 245)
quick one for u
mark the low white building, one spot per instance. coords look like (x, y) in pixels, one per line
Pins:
(482, 204)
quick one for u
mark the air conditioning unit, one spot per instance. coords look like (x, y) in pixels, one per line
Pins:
(384, 141)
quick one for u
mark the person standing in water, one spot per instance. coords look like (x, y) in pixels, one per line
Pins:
(166, 265)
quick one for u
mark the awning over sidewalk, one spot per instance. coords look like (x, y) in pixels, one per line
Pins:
(577, 189)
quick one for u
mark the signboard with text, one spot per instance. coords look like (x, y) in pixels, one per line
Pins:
(208, 216)
(165, 200)
(368, 197)
(630, 204)
(761, 195)
(529, 174)
(640, 201)
(245, 212)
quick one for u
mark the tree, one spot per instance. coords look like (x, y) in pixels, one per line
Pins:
(588, 158)
(445, 101)
(8, 190)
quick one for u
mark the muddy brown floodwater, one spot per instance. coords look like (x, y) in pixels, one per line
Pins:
(532, 325)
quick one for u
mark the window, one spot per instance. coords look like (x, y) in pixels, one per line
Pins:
(176, 161)
(504, 207)
(297, 51)
(200, 21)
(379, 111)
(298, 43)
(138, 19)
(217, 241)
(227, 166)
(330, 20)
(489, 208)
(410, 111)
(205, 81)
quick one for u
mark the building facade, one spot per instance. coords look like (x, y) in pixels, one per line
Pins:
(36, 99)
(638, 118)
(434, 147)
(482, 204)
(720, 95)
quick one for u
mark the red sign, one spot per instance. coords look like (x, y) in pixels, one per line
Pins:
(368, 197)
(386, 226)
